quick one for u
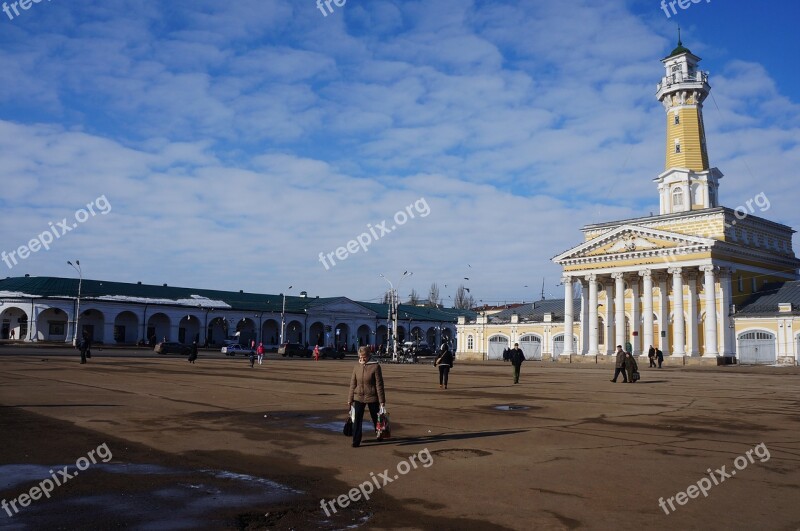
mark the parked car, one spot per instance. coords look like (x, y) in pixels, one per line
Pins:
(294, 349)
(170, 347)
(330, 352)
(232, 350)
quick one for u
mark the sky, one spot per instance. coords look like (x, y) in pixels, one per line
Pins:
(238, 145)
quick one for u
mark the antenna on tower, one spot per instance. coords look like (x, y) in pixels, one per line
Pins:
(679, 37)
(542, 288)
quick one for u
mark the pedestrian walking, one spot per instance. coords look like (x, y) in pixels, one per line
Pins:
(260, 352)
(193, 352)
(366, 391)
(516, 356)
(628, 347)
(619, 367)
(12, 334)
(252, 359)
(444, 361)
(505, 353)
(83, 346)
(659, 357)
(631, 367)
(316, 352)
(651, 354)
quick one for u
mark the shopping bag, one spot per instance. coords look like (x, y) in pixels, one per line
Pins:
(635, 376)
(348, 427)
(383, 427)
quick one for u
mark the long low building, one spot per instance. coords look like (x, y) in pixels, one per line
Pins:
(45, 309)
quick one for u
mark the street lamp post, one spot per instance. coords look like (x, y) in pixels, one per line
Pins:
(77, 267)
(393, 305)
(283, 312)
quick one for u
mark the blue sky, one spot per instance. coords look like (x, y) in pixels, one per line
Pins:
(236, 141)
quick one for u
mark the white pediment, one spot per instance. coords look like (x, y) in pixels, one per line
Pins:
(634, 240)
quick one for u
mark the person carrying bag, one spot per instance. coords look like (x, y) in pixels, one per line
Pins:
(444, 361)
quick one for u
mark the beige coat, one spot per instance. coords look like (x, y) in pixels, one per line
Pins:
(366, 384)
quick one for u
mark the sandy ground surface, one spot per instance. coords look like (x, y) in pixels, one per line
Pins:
(193, 445)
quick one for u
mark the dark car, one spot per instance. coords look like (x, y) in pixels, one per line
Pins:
(330, 352)
(294, 349)
(170, 347)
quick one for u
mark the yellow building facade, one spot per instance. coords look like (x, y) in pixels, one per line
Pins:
(679, 281)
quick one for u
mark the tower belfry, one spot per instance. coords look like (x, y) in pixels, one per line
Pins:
(688, 182)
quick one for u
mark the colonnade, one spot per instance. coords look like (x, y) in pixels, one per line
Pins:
(679, 307)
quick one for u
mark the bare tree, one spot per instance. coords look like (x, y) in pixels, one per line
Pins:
(413, 298)
(433, 296)
(387, 297)
(464, 300)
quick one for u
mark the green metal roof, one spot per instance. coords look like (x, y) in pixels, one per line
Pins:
(54, 287)
(419, 313)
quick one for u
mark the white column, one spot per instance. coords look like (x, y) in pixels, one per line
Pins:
(610, 345)
(727, 347)
(647, 309)
(663, 314)
(569, 345)
(593, 347)
(694, 349)
(619, 306)
(584, 317)
(710, 336)
(636, 317)
(678, 322)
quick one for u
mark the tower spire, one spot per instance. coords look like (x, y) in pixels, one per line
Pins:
(688, 182)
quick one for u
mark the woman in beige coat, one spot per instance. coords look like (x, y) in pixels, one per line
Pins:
(366, 390)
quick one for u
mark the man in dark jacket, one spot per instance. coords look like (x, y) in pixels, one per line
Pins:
(517, 357)
(619, 367)
(659, 357)
(651, 354)
(84, 345)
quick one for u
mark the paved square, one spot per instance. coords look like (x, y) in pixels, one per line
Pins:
(574, 450)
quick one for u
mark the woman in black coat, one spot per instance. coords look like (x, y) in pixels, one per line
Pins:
(444, 361)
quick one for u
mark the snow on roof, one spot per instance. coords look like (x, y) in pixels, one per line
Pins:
(194, 301)
(17, 295)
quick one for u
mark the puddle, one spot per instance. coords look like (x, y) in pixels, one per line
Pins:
(142, 496)
(511, 408)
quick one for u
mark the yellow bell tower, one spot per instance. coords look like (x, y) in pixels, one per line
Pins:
(688, 183)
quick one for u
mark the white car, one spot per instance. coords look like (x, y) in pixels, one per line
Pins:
(232, 350)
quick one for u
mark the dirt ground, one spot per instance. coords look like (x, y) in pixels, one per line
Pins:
(573, 451)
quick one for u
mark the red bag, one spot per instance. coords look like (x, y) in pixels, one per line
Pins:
(383, 427)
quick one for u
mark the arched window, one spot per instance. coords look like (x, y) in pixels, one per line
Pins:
(469, 342)
(677, 198)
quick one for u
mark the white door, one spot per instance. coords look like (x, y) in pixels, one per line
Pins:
(757, 348)
(497, 344)
(532, 347)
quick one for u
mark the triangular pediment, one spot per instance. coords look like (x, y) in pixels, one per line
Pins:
(634, 240)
